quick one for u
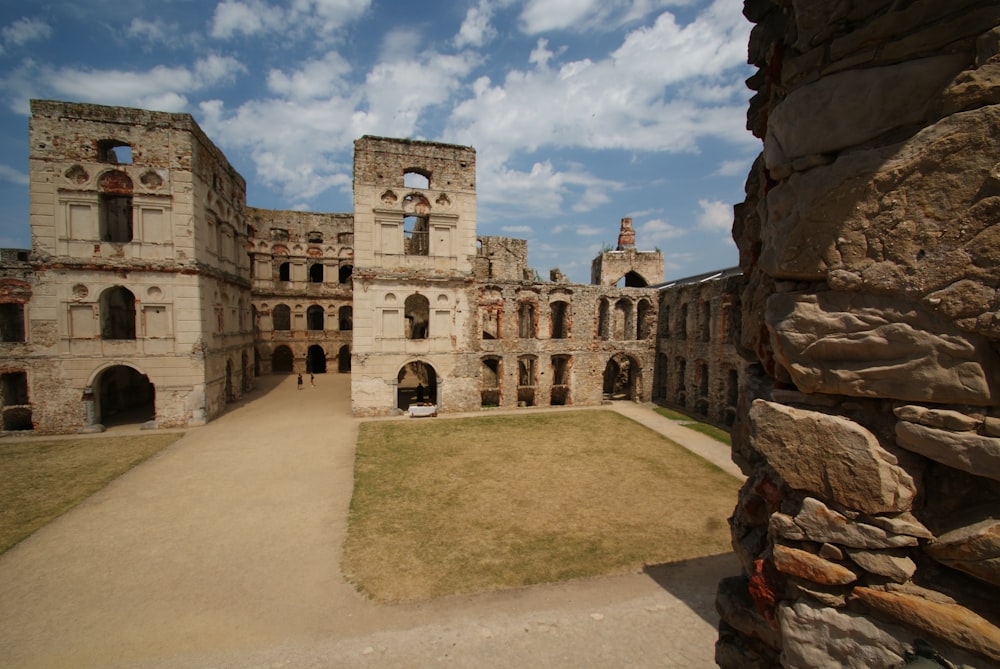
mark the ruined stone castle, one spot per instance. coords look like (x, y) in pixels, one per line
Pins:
(152, 293)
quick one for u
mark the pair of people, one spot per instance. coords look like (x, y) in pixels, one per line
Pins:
(312, 381)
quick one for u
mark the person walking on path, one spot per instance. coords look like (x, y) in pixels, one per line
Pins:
(300, 381)
(312, 380)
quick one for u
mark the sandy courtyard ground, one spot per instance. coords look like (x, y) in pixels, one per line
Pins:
(223, 550)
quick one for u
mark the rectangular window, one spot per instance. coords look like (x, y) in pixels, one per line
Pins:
(12, 322)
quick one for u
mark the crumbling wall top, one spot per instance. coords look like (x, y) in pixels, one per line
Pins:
(383, 161)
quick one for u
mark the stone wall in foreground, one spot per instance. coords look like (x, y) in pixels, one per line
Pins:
(869, 425)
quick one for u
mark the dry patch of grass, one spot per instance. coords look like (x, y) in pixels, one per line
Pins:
(463, 505)
(41, 480)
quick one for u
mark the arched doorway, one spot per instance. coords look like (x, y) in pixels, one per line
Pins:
(282, 360)
(621, 378)
(316, 360)
(416, 382)
(124, 396)
(344, 359)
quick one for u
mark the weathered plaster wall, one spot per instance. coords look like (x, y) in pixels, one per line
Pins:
(869, 525)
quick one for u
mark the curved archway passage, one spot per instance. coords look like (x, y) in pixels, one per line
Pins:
(282, 360)
(621, 378)
(344, 359)
(124, 396)
(316, 360)
(416, 384)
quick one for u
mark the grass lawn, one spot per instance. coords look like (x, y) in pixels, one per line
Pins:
(714, 432)
(445, 506)
(40, 480)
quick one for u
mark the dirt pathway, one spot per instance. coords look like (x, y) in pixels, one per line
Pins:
(223, 551)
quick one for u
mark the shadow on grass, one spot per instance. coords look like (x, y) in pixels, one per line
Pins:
(695, 581)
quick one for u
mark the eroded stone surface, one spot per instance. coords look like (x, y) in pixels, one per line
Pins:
(817, 522)
(872, 346)
(826, 637)
(974, 549)
(967, 451)
(805, 565)
(953, 623)
(893, 565)
(861, 475)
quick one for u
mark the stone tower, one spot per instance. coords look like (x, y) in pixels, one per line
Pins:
(636, 268)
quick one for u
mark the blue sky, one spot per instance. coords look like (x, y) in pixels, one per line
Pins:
(581, 111)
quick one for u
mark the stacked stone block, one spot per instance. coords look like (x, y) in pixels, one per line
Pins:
(869, 526)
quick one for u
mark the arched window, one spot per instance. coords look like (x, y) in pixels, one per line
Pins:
(705, 321)
(634, 280)
(281, 317)
(115, 207)
(560, 380)
(622, 326)
(417, 314)
(114, 151)
(682, 322)
(604, 320)
(314, 317)
(316, 273)
(527, 379)
(285, 271)
(117, 313)
(643, 319)
(413, 178)
(346, 318)
(345, 273)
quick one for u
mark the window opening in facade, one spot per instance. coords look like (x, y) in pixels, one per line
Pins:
(281, 317)
(490, 392)
(417, 314)
(604, 320)
(416, 235)
(560, 319)
(622, 326)
(285, 271)
(416, 179)
(11, 322)
(732, 396)
(345, 272)
(526, 320)
(344, 359)
(316, 273)
(643, 319)
(701, 374)
(314, 317)
(679, 387)
(634, 280)
(314, 237)
(346, 318)
(682, 322)
(491, 321)
(664, 320)
(115, 208)
(117, 313)
(705, 321)
(114, 151)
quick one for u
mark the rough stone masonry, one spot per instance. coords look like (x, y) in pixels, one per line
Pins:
(869, 425)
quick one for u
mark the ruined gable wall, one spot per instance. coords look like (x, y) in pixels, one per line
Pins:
(869, 420)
